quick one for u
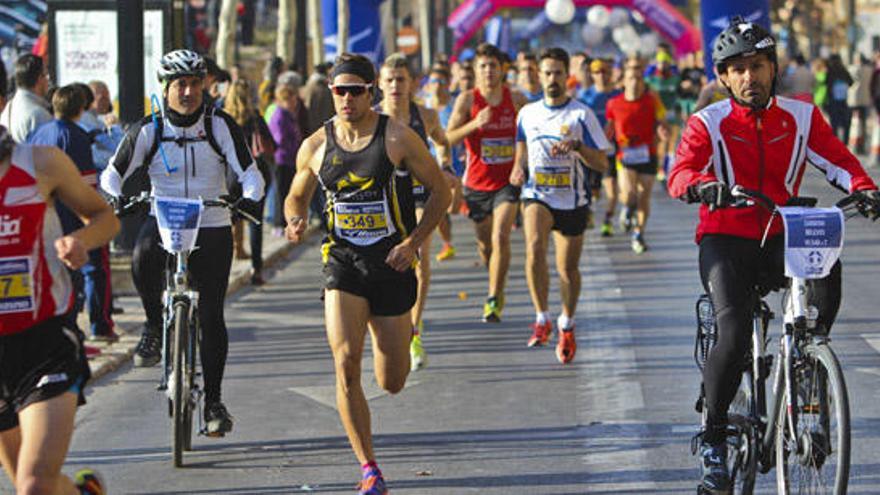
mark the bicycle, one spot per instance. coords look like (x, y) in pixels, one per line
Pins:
(796, 439)
(179, 220)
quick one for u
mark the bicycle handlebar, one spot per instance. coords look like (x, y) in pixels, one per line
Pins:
(858, 200)
(125, 206)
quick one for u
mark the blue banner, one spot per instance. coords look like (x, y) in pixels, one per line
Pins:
(179, 220)
(813, 240)
(364, 32)
(716, 14)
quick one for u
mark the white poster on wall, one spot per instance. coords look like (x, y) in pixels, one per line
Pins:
(153, 51)
(88, 51)
(87, 47)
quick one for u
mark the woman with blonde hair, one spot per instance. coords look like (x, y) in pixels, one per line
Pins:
(239, 104)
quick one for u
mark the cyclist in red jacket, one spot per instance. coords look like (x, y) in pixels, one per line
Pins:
(762, 142)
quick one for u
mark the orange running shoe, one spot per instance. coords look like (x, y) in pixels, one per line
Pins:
(566, 347)
(540, 334)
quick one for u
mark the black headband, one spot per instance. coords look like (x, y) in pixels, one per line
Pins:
(360, 68)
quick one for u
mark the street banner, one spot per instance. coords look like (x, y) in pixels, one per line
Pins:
(364, 32)
(716, 14)
(660, 15)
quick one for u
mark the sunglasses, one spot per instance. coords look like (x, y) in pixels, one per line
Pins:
(350, 89)
(434, 80)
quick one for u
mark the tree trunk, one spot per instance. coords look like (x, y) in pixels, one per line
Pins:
(342, 23)
(426, 32)
(284, 39)
(225, 47)
(316, 33)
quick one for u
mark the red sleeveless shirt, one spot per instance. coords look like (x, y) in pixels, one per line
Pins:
(490, 150)
(34, 284)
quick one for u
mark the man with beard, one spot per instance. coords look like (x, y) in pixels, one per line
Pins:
(758, 141)
(485, 118)
(557, 140)
(365, 162)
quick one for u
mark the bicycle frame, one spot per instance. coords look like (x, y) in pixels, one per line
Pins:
(177, 291)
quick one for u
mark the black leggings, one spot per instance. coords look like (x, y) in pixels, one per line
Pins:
(209, 273)
(730, 268)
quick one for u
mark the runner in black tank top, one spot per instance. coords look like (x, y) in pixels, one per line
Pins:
(369, 203)
(364, 161)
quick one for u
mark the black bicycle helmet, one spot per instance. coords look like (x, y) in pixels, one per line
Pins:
(742, 38)
(179, 63)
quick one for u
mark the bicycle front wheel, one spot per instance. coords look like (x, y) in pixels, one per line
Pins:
(817, 460)
(180, 398)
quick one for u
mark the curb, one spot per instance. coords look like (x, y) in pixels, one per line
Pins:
(114, 356)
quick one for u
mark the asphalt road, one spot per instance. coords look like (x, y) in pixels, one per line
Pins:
(487, 415)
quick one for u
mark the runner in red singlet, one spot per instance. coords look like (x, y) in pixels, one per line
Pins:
(42, 364)
(485, 118)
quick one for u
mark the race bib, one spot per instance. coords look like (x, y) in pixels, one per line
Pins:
(16, 285)
(418, 187)
(813, 240)
(361, 221)
(552, 177)
(636, 155)
(494, 151)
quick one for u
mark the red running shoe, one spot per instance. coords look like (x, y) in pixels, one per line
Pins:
(540, 334)
(566, 347)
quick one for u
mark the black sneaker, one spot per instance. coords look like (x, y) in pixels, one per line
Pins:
(149, 350)
(218, 422)
(716, 479)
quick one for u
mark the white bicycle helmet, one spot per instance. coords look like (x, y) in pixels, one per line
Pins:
(179, 63)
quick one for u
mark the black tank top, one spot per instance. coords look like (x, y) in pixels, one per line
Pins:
(415, 121)
(369, 200)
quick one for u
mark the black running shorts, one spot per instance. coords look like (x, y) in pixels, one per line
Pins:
(39, 364)
(649, 168)
(570, 223)
(388, 292)
(481, 203)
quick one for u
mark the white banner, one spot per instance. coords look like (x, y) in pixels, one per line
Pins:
(87, 48)
(813, 240)
(88, 51)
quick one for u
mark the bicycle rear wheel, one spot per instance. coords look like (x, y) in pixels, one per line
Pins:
(181, 409)
(818, 462)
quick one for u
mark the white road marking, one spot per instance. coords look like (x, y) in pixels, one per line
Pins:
(608, 391)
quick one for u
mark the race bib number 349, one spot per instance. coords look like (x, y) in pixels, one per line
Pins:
(16, 285)
(361, 220)
(494, 151)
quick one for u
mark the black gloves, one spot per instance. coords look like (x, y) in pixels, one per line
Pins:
(715, 194)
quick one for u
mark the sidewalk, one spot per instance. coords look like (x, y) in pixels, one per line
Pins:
(128, 323)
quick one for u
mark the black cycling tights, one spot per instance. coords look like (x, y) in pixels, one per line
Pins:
(730, 267)
(209, 273)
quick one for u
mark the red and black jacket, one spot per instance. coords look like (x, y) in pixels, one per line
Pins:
(765, 150)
